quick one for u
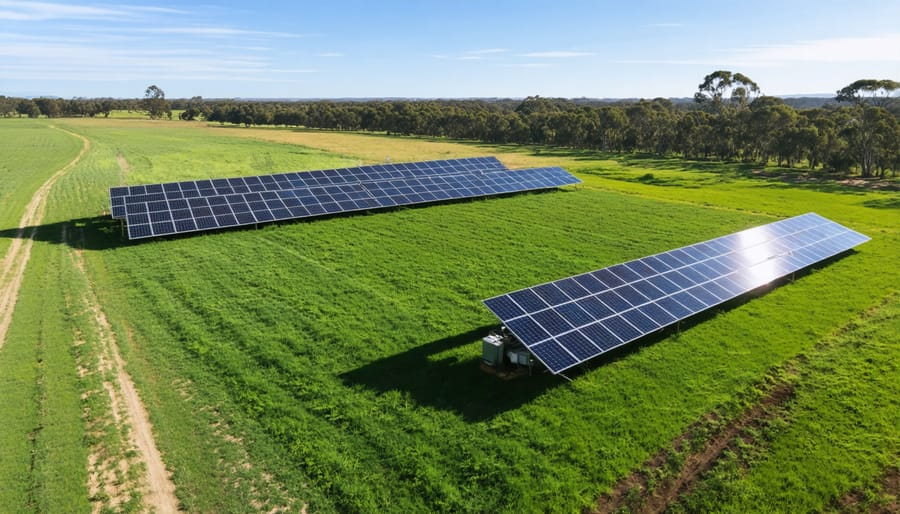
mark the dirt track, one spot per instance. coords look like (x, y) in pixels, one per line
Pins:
(127, 410)
(159, 491)
(13, 267)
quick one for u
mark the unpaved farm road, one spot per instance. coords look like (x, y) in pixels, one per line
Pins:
(13, 267)
(160, 490)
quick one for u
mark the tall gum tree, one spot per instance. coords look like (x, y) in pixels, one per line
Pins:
(155, 103)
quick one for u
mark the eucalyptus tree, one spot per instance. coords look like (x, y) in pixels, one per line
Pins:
(871, 130)
(727, 95)
(870, 92)
(723, 89)
(155, 103)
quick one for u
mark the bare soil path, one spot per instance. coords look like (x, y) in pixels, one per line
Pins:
(12, 269)
(127, 410)
(633, 494)
(127, 406)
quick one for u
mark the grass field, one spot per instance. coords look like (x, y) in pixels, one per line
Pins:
(334, 363)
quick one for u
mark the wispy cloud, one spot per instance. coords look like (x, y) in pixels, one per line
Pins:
(44, 11)
(46, 60)
(527, 65)
(556, 54)
(675, 62)
(331, 54)
(487, 51)
(209, 31)
(471, 55)
(665, 25)
(880, 48)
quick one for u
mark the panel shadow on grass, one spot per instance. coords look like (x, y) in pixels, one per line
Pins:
(450, 383)
(462, 387)
(96, 233)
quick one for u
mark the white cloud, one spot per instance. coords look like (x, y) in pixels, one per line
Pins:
(487, 51)
(43, 11)
(30, 60)
(331, 54)
(556, 54)
(665, 25)
(215, 32)
(881, 48)
(846, 50)
(471, 55)
(528, 65)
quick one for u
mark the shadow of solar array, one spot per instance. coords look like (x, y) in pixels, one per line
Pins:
(179, 207)
(568, 321)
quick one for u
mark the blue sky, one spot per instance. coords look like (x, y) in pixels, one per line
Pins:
(439, 49)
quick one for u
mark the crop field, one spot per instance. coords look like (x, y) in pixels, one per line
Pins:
(332, 365)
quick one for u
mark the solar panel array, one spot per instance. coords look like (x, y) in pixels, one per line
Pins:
(179, 207)
(568, 321)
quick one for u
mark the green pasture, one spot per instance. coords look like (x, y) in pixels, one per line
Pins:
(341, 355)
(30, 152)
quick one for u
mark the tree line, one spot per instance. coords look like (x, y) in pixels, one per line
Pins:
(729, 120)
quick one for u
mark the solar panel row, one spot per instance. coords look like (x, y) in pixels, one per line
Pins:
(179, 207)
(121, 196)
(568, 321)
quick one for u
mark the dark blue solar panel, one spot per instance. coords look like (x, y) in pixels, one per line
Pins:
(552, 354)
(640, 321)
(674, 308)
(573, 313)
(702, 294)
(664, 284)
(551, 294)
(590, 283)
(631, 295)
(607, 278)
(601, 336)
(656, 313)
(571, 288)
(347, 190)
(613, 301)
(648, 290)
(578, 345)
(622, 328)
(595, 307)
(505, 305)
(552, 322)
(528, 300)
(662, 289)
(526, 329)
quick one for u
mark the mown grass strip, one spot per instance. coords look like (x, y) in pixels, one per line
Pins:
(841, 434)
(29, 154)
(45, 436)
(343, 353)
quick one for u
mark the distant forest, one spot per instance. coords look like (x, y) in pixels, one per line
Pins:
(858, 131)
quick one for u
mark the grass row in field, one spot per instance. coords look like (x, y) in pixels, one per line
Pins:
(291, 335)
(358, 357)
(840, 434)
(29, 154)
(160, 151)
(217, 466)
(343, 353)
(44, 460)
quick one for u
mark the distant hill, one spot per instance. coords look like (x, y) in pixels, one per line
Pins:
(808, 102)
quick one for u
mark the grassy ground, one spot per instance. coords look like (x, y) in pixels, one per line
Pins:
(335, 362)
(29, 154)
(41, 437)
(837, 434)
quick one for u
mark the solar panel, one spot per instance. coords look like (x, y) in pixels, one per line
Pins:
(122, 195)
(568, 321)
(162, 211)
